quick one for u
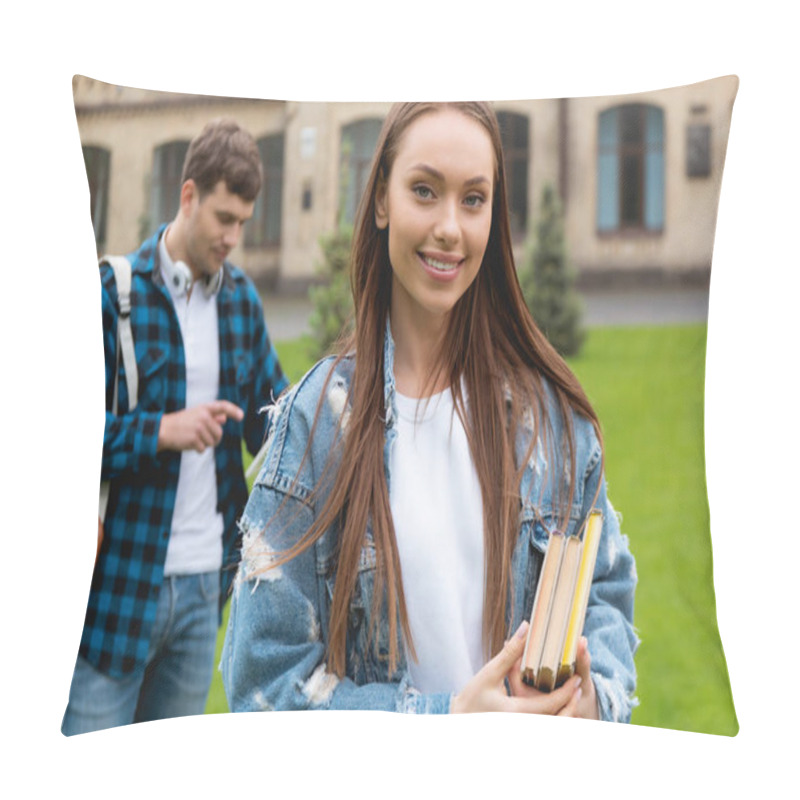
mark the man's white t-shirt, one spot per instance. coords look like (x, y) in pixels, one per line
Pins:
(195, 542)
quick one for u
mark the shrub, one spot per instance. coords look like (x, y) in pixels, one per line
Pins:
(548, 280)
(332, 315)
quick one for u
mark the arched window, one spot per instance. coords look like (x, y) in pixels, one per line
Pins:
(264, 230)
(98, 166)
(630, 169)
(165, 191)
(357, 148)
(514, 133)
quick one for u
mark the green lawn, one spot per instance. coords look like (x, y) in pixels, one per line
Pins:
(647, 387)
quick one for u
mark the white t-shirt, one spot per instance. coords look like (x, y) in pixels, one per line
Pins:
(195, 542)
(437, 511)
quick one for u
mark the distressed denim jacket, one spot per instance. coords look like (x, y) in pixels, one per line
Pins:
(275, 645)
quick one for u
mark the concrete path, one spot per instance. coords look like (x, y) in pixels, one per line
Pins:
(653, 306)
(287, 315)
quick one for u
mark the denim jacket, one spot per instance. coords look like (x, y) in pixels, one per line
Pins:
(275, 644)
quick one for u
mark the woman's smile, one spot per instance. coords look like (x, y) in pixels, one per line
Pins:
(441, 267)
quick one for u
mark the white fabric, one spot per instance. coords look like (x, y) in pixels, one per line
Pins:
(125, 349)
(438, 517)
(195, 542)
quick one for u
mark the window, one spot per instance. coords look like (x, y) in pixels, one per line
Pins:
(514, 135)
(358, 146)
(264, 230)
(165, 191)
(630, 169)
(698, 151)
(98, 161)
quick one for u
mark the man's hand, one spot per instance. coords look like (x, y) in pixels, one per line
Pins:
(196, 428)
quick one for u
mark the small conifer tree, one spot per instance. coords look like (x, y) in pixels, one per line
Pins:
(332, 315)
(548, 280)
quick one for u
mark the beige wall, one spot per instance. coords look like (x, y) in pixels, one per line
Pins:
(317, 167)
(690, 204)
(132, 122)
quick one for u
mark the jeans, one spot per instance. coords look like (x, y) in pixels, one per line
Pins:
(180, 664)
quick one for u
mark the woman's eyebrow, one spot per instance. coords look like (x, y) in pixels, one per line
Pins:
(439, 176)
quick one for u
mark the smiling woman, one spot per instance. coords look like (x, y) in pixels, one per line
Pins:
(436, 453)
(439, 199)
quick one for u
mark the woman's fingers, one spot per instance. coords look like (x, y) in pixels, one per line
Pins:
(571, 708)
(512, 651)
(486, 690)
(583, 663)
(561, 701)
(589, 707)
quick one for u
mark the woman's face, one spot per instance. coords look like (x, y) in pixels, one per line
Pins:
(437, 204)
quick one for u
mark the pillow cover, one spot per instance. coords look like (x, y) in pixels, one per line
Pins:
(638, 178)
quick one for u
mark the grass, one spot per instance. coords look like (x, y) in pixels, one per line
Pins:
(646, 384)
(647, 387)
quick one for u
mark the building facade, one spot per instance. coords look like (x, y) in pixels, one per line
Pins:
(639, 175)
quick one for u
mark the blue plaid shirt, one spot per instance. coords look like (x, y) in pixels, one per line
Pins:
(130, 567)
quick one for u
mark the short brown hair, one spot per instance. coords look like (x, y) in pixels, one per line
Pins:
(224, 151)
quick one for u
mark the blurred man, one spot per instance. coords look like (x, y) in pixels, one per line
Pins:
(206, 366)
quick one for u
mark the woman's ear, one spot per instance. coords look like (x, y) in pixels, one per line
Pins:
(381, 210)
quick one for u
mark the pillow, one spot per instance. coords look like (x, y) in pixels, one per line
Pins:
(639, 177)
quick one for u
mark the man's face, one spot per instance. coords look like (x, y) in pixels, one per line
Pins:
(213, 226)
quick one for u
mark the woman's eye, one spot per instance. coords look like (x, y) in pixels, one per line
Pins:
(475, 200)
(423, 192)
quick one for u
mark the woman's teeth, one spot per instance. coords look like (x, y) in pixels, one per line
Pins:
(439, 265)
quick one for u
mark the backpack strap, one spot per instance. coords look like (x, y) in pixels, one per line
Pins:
(122, 276)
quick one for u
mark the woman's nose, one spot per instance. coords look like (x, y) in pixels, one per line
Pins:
(447, 229)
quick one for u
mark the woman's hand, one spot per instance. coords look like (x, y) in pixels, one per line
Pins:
(486, 690)
(587, 705)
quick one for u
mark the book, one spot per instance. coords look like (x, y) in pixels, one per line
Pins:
(559, 606)
(542, 603)
(591, 542)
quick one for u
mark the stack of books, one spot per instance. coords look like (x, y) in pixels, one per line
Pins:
(559, 607)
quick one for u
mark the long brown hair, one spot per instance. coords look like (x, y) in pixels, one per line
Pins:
(494, 346)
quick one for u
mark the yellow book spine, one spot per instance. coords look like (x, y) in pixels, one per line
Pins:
(591, 541)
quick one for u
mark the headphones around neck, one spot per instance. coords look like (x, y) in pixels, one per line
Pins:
(183, 280)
